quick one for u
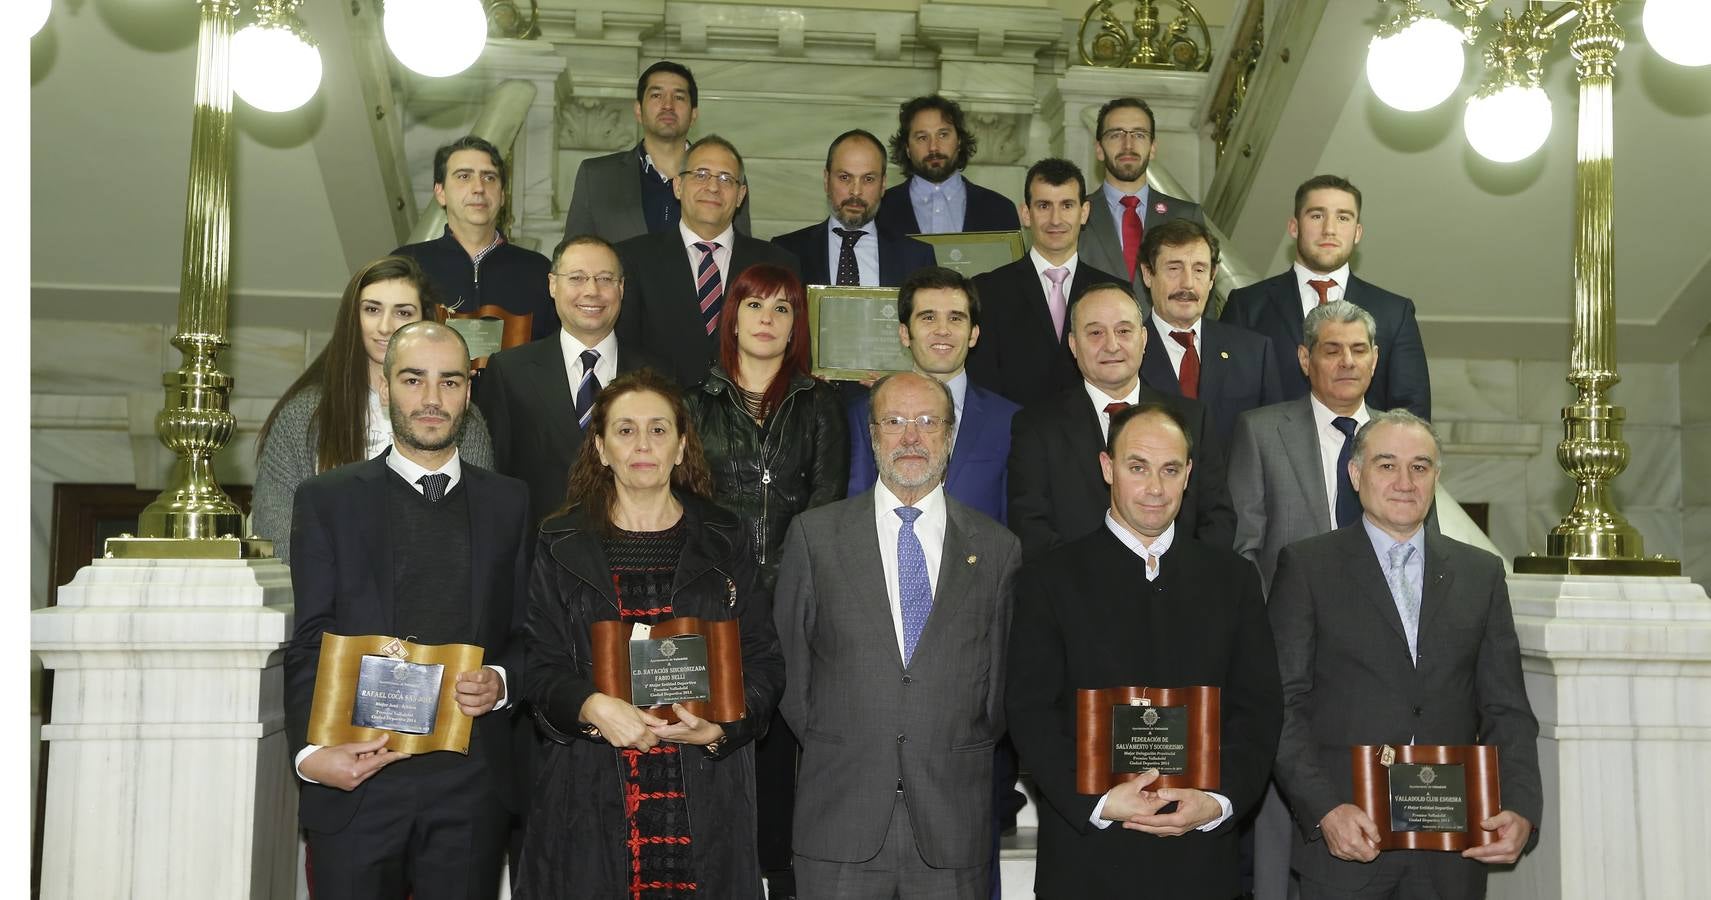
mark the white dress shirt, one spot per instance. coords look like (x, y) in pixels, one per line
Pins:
(1310, 295)
(1100, 399)
(929, 530)
(379, 426)
(1174, 350)
(605, 368)
(1330, 445)
(721, 256)
(866, 251)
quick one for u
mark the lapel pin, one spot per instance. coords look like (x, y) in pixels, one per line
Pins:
(1223, 354)
(1160, 208)
(972, 558)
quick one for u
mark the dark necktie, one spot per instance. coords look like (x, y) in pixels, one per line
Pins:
(434, 486)
(1132, 232)
(1348, 502)
(914, 588)
(1189, 377)
(848, 272)
(708, 290)
(1323, 286)
(587, 389)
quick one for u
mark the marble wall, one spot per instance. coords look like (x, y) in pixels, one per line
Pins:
(1695, 391)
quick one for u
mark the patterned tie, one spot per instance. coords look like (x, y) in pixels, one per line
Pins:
(848, 272)
(1189, 377)
(914, 589)
(1406, 593)
(434, 486)
(1055, 300)
(1348, 502)
(1132, 232)
(1323, 286)
(587, 389)
(708, 290)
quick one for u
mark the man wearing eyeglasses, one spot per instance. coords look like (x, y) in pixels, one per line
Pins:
(676, 289)
(893, 612)
(1125, 206)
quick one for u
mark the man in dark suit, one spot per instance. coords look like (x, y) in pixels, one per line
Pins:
(537, 397)
(1326, 227)
(416, 544)
(1388, 633)
(676, 286)
(932, 146)
(1125, 206)
(850, 248)
(893, 611)
(1023, 353)
(1229, 369)
(629, 193)
(1056, 492)
(1190, 614)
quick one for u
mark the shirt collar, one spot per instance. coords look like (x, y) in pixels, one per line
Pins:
(872, 226)
(1114, 196)
(1304, 275)
(1101, 399)
(1382, 542)
(885, 502)
(1323, 415)
(690, 238)
(1165, 328)
(1140, 548)
(573, 348)
(953, 187)
(648, 160)
(1041, 264)
(409, 470)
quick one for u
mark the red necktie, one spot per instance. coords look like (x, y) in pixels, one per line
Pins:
(1323, 286)
(1131, 233)
(1189, 377)
(1116, 407)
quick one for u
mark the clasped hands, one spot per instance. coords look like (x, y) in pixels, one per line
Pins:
(1352, 835)
(344, 766)
(623, 725)
(1132, 804)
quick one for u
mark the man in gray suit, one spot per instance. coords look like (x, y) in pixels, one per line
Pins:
(1125, 206)
(893, 610)
(1388, 633)
(621, 195)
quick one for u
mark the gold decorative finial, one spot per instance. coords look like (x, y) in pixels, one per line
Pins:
(1105, 41)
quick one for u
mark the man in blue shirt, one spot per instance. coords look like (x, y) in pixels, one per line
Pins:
(932, 146)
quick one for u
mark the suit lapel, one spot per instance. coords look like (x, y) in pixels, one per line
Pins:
(1213, 367)
(628, 194)
(1436, 592)
(955, 575)
(551, 384)
(816, 267)
(863, 567)
(1286, 300)
(968, 433)
(1156, 369)
(1299, 436)
(378, 536)
(1368, 572)
(890, 258)
(1101, 236)
(903, 208)
(481, 535)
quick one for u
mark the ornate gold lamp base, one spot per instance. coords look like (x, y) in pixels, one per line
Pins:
(1657, 567)
(225, 546)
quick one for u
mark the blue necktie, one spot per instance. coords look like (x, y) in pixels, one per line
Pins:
(1407, 594)
(587, 389)
(1348, 502)
(914, 590)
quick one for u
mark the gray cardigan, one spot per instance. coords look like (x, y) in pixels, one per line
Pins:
(288, 459)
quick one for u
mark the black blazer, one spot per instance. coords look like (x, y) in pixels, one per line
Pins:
(898, 255)
(1237, 372)
(1017, 355)
(1058, 493)
(987, 210)
(1202, 622)
(660, 315)
(1273, 308)
(341, 574)
(530, 407)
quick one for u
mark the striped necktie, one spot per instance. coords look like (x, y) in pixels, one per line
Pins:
(709, 292)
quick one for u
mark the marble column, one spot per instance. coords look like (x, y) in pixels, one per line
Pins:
(167, 762)
(1619, 674)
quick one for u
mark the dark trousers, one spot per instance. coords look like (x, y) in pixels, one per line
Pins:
(775, 794)
(1408, 875)
(430, 836)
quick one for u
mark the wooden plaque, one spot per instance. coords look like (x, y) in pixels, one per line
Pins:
(611, 639)
(1093, 712)
(337, 678)
(515, 329)
(1372, 792)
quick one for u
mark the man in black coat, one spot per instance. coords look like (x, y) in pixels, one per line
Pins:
(850, 247)
(932, 146)
(677, 279)
(1326, 227)
(1056, 492)
(418, 545)
(1138, 602)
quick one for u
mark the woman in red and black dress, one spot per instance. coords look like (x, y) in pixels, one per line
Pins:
(625, 805)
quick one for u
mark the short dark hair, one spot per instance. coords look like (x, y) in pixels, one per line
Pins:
(1075, 299)
(1123, 103)
(438, 332)
(678, 69)
(469, 142)
(856, 133)
(1320, 182)
(1146, 408)
(931, 278)
(965, 140)
(1055, 172)
(1175, 233)
(586, 240)
(718, 141)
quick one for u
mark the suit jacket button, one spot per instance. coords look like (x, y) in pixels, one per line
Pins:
(902, 740)
(1417, 712)
(908, 679)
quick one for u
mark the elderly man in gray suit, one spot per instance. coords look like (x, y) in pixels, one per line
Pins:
(893, 610)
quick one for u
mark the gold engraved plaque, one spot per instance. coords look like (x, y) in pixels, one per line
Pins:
(370, 685)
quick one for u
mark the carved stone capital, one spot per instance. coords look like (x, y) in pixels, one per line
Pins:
(595, 123)
(1003, 137)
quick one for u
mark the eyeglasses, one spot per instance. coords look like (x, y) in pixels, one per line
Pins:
(702, 176)
(1138, 135)
(896, 424)
(605, 281)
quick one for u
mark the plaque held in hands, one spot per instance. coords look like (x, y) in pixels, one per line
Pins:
(1427, 796)
(684, 660)
(369, 685)
(1125, 731)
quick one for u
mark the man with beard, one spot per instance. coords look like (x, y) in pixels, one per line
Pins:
(932, 146)
(850, 248)
(893, 611)
(628, 193)
(1125, 206)
(471, 264)
(1326, 228)
(414, 544)
(1228, 369)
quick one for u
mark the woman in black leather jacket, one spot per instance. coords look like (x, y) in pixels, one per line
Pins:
(776, 443)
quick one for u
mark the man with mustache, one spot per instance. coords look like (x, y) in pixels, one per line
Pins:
(1228, 369)
(1326, 228)
(472, 264)
(893, 611)
(1125, 206)
(628, 193)
(850, 248)
(932, 146)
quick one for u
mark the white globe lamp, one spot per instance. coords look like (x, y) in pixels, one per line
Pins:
(1679, 30)
(1509, 124)
(275, 67)
(435, 38)
(1417, 66)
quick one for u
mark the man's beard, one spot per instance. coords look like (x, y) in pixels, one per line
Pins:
(851, 217)
(404, 432)
(935, 471)
(936, 168)
(1128, 171)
